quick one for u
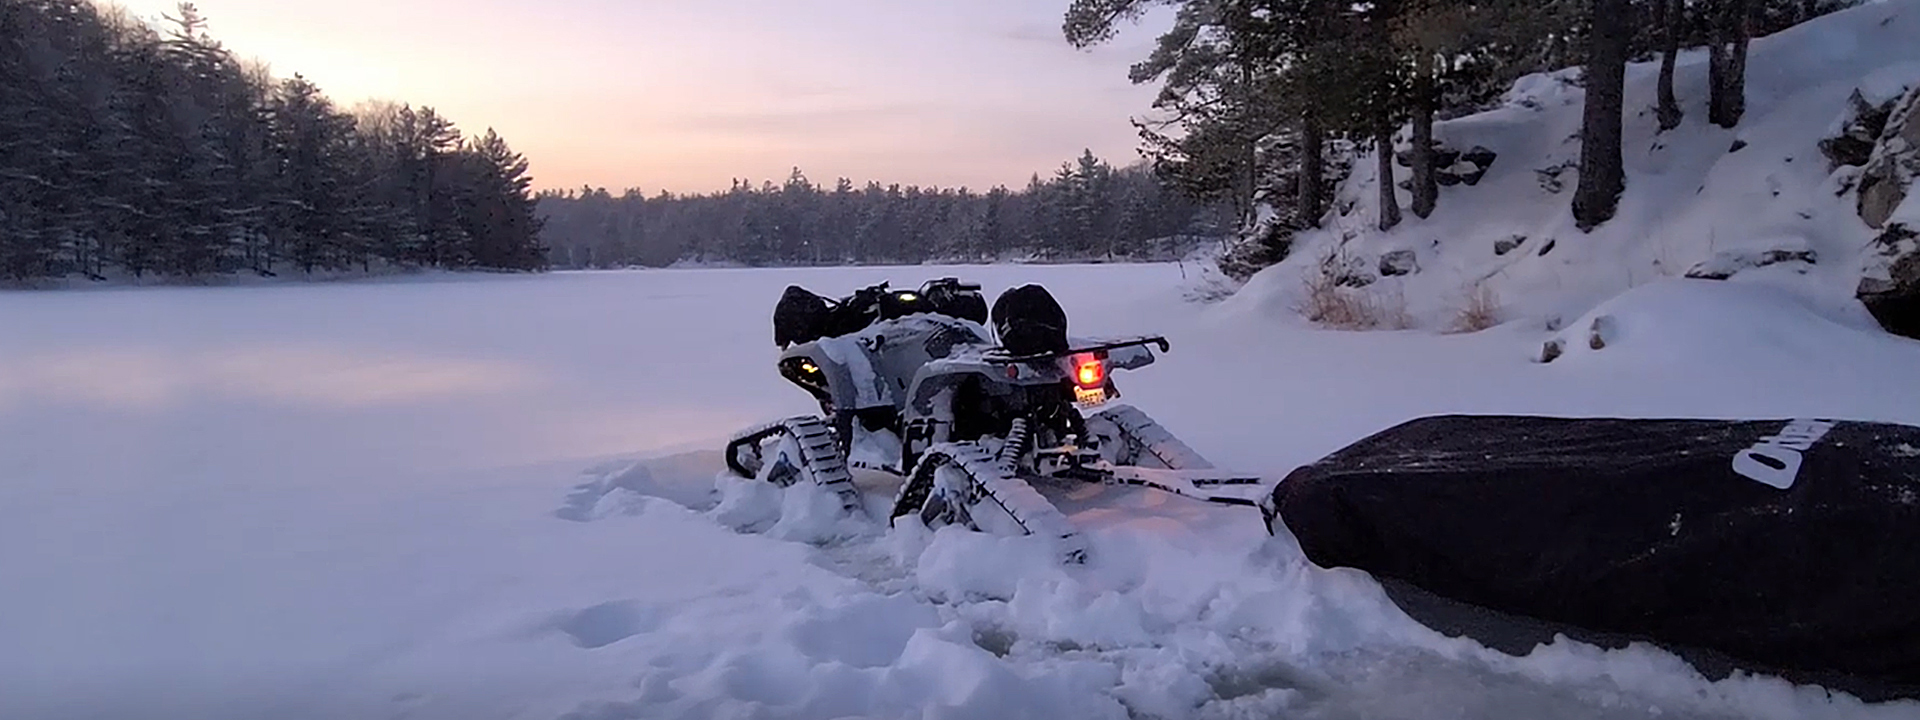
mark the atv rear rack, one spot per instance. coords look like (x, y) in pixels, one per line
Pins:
(1101, 349)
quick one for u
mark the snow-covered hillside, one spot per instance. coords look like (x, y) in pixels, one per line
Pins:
(496, 497)
(1698, 196)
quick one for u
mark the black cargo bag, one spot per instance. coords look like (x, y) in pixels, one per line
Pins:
(1029, 321)
(1785, 547)
(799, 317)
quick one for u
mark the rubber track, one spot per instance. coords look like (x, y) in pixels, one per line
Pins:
(1155, 439)
(820, 456)
(1028, 508)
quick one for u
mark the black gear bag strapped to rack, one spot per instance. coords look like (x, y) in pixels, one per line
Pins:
(1787, 547)
(1029, 321)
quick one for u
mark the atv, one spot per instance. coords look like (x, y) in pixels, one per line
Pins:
(972, 414)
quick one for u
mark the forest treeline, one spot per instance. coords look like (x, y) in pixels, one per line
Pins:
(1255, 94)
(130, 149)
(1087, 209)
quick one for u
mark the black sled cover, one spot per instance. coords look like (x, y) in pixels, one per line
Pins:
(1787, 547)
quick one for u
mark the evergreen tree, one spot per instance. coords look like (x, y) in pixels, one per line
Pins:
(126, 148)
(1087, 209)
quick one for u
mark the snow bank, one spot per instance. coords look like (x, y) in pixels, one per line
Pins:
(1698, 194)
(1760, 327)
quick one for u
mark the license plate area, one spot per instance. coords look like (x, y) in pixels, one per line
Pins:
(1089, 397)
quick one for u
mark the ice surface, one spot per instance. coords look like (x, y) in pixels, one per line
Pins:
(498, 498)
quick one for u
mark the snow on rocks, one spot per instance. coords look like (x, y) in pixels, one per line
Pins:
(1889, 173)
(1727, 264)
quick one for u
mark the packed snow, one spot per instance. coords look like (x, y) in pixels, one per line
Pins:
(501, 497)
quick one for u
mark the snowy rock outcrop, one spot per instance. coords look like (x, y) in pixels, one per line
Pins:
(1727, 264)
(1888, 202)
(1890, 283)
(1452, 166)
(1889, 171)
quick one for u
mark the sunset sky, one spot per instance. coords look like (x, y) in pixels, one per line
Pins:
(685, 95)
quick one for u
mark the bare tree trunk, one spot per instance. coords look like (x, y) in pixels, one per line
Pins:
(1382, 117)
(1666, 16)
(1313, 170)
(1383, 144)
(1727, 62)
(1426, 186)
(1602, 177)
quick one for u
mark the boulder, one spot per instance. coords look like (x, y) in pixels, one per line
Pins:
(1890, 287)
(1551, 350)
(1851, 139)
(1450, 166)
(1442, 156)
(1729, 263)
(1399, 262)
(1851, 142)
(1550, 177)
(1510, 244)
(1602, 332)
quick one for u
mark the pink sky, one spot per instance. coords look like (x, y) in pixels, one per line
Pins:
(687, 94)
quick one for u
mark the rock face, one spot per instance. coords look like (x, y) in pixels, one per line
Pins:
(1859, 130)
(1890, 287)
(1895, 161)
(1886, 200)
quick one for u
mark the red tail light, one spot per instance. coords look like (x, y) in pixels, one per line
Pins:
(1090, 373)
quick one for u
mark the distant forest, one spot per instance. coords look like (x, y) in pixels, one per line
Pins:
(127, 149)
(1086, 210)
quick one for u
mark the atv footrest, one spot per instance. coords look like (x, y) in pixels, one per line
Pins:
(1184, 482)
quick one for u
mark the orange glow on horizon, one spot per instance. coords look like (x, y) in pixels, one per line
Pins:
(687, 95)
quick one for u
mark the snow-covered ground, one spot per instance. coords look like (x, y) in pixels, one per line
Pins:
(495, 498)
(1698, 195)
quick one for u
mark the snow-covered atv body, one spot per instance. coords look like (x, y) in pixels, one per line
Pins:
(968, 414)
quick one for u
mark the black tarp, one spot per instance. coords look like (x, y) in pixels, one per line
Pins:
(1789, 547)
